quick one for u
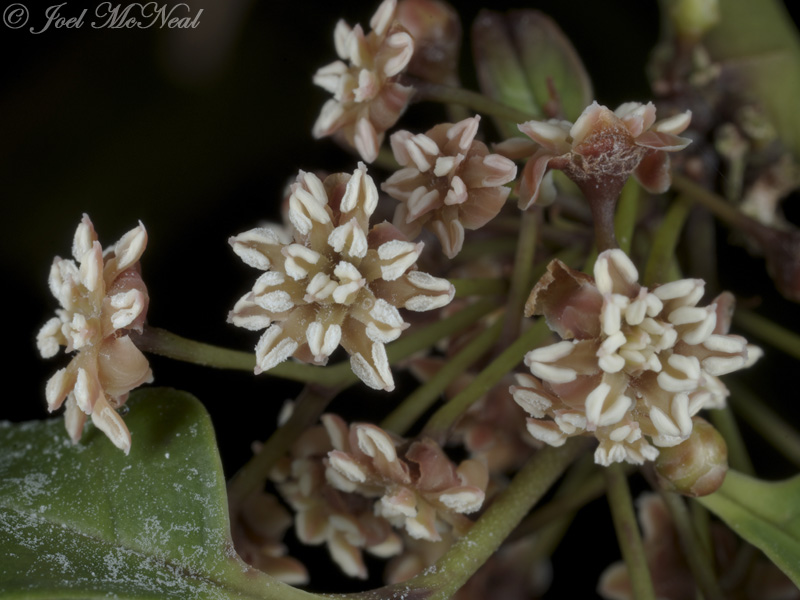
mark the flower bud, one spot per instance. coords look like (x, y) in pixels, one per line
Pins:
(436, 29)
(696, 467)
(692, 18)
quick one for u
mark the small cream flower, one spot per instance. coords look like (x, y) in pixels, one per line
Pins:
(450, 182)
(102, 297)
(367, 99)
(344, 522)
(417, 486)
(603, 148)
(633, 362)
(339, 282)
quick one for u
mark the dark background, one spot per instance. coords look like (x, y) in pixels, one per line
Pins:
(196, 133)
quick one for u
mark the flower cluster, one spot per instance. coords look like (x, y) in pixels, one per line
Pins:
(344, 522)
(600, 150)
(339, 282)
(450, 182)
(633, 362)
(102, 298)
(367, 98)
(418, 487)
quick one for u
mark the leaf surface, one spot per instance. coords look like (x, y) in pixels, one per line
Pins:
(766, 514)
(86, 521)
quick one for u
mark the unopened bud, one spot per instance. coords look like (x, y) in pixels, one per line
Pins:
(692, 18)
(436, 29)
(696, 467)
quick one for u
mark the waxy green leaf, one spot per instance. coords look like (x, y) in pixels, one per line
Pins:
(86, 521)
(766, 514)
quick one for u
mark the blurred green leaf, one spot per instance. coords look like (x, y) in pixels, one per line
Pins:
(86, 521)
(766, 514)
(500, 73)
(551, 63)
(759, 42)
(524, 60)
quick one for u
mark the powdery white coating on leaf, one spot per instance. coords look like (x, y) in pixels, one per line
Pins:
(131, 543)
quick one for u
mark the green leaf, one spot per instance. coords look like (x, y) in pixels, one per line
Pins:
(551, 63)
(766, 514)
(759, 44)
(86, 521)
(500, 73)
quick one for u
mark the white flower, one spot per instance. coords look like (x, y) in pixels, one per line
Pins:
(339, 282)
(367, 99)
(102, 297)
(633, 364)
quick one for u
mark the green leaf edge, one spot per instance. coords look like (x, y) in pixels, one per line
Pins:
(232, 578)
(766, 514)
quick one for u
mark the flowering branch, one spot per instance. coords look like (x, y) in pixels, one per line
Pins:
(484, 538)
(164, 343)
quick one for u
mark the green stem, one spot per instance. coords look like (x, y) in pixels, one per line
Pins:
(769, 331)
(590, 488)
(625, 219)
(466, 288)
(311, 402)
(551, 533)
(415, 405)
(439, 424)
(738, 458)
(713, 202)
(521, 277)
(630, 540)
(699, 562)
(464, 558)
(164, 343)
(445, 94)
(665, 242)
(770, 425)
(701, 522)
(482, 248)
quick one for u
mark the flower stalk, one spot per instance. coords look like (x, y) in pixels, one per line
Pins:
(772, 426)
(310, 404)
(446, 94)
(665, 241)
(521, 278)
(628, 535)
(699, 561)
(162, 342)
(444, 418)
(404, 416)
